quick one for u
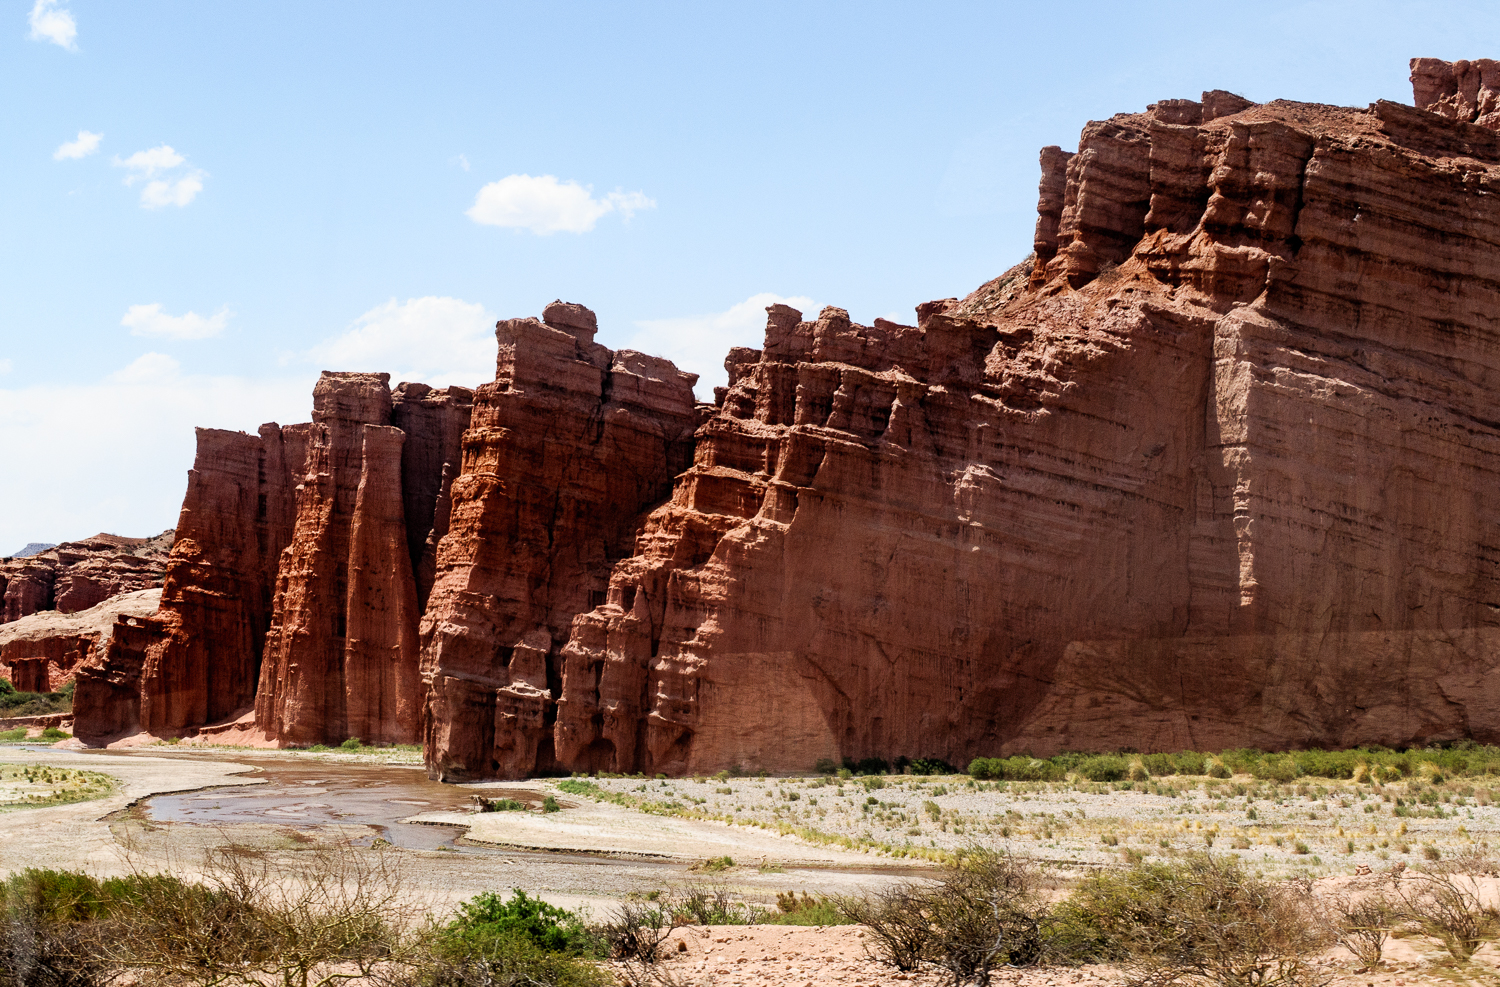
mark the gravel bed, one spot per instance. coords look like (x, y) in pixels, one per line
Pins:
(1315, 826)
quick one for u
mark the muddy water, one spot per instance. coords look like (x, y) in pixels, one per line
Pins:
(306, 795)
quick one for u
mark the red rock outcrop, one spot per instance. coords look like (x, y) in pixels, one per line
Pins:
(1218, 466)
(41, 652)
(1224, 473)
(567, 449)
(199, 653)
(78, 575)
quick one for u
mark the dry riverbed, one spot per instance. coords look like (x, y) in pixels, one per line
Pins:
(1310, 828)
(617, 837)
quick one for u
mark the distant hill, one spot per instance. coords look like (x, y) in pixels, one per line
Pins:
(35, 548)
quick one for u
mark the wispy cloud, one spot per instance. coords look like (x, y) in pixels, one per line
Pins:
(462, 160)
(176, 192)
(170, 190)
(50, 22)
(544, 205)
(699, 343)
(150, 320)
(435, 340)
(86, 144)
(149, 368)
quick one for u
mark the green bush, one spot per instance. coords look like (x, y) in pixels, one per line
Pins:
(931, 766)
(1108, 767)
(488, 922)
(352, 744)
(52, 733)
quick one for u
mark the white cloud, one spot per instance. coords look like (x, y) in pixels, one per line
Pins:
(86, 144)
(145, 164)
(699, 344)
(135, 427)
(49, 22)
(150, 320)
(169, 190)
(461, 160)
(437, 341)
(545, 205)
(172, 193)
(149, 368)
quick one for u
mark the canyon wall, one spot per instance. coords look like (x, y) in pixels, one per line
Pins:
(567, 449)
(1217, 466)
(256, 604)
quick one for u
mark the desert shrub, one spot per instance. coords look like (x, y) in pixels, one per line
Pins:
(806, 910)
(1446, 901)
(713, 864)
(1361, 924)
(352, 744)
(638, 931)
(1186, 763)
(53, 733)
(510, 960)
(1204, 920)
(1275, 767)
(550, 804)
(826, 766)
(490, 919)
(932, 766)
(897, 920)
(19, 733)
(867, 765)
(985, 911)
(1216, 768)
(499, 805)
(1106, 767)
(710, 903)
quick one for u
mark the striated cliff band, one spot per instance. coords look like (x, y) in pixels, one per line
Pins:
(1218, 465)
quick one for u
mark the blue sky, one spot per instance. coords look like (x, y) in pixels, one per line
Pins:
(204, 204)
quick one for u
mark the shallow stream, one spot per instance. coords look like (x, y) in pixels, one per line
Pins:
(302, 795)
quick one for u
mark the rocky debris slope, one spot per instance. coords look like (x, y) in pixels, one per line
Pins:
(1216, 467)
(77, 575)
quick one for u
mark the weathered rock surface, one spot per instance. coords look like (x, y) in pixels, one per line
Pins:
(77, 575)
(567, 449)
(1217, 466)
(1224, 473)
(40, 652)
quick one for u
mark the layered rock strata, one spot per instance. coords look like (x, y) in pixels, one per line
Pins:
(75, 576)
(239, 589)
(1222, 474)
(567, 449)
(1217, 466)
(40, 652)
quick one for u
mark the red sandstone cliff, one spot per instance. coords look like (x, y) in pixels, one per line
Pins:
(1217, 467)
(566, 450)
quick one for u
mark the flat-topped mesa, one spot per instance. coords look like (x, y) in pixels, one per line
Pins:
(568, 448)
